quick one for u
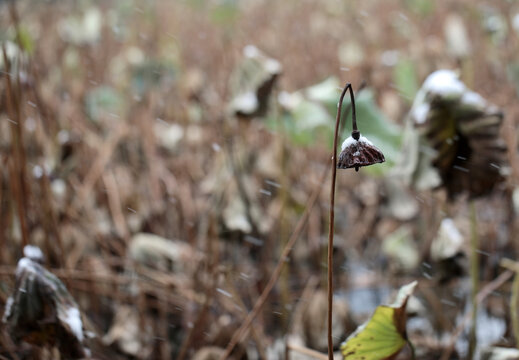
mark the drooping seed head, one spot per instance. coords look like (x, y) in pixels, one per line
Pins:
(359, 152)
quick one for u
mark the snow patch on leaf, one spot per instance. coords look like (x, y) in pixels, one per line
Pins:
(350, 141)
(73, 319)
(33, 252)
(444, 83)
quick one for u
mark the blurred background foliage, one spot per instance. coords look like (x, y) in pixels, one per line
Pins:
(160, 154)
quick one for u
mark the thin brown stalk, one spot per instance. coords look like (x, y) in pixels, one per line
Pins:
(17, 161)
(201, 317)
(238, 177)
(51, 221)
(474, 276)
(243, 330)
(514, 297)
(301, 306)
(212, 248)
(436, 307)
(102, 158)
(188, 210)
(306, 351)
(165, 345)
(114, 204)
(49, 127)
(149, 146)
(283, 224)
(17, 192)
(482, 295)
(16, 21)
(332, 210)
(241, 305)
(19, 118)
(302, 303)
(513, 308)
(3, 216)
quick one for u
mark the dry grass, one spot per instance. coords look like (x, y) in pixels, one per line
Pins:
(80, 189)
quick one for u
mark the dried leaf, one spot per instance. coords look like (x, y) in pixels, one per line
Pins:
(163, 254)
(128, 334)
(252, 83)
(314, 321)
(82, 30)
(452, 134)
(499, 353)
(448, 242)
(41, 311)
(400, 246)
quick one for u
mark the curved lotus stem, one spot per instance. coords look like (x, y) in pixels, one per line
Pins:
(356, 151)
(332, 213)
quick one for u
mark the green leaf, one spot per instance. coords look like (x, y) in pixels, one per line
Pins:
(103, 101)
(26, 40)
(404, 76)
(315, 112)
(308, 122)
(377, 128)
(513, 74)
(421, 7)
(379, 339)
(225, 13)
(325, 92)
(401, 248)
(309, 116)
(197, 4)
(151, 74)
(384, 335)
(371, 121)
